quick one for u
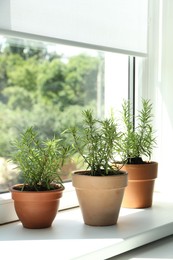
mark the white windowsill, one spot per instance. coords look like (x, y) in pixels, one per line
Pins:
(157, 250)
(70, 238)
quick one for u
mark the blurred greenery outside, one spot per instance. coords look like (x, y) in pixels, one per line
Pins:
(46, 90)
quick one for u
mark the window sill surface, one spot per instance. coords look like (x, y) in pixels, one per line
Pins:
(160, 249)
(70, 238)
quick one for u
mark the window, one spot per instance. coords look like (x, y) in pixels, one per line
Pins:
(48, 85)
(154, 80)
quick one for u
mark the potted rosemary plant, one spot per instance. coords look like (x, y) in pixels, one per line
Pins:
(137, 142)
(99, 186)
(37, 199)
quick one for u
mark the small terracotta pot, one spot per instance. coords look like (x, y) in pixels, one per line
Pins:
(141, 179)
(100, 197)
(36, 209)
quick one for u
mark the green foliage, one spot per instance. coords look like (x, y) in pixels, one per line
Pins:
(43, 92)
(81, 77)
(137, 140)
(24, 74)
(7, 65)
(95, 142)
(51, 79)
(18, 98)
(39, 160)
(73, 83)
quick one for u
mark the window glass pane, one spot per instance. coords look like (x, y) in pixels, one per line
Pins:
(48, 86)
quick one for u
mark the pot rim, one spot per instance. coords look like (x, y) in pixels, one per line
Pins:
(109, 182)
(12, 189)
(82, 173)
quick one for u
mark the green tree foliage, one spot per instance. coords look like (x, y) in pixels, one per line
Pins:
(39, 88)
(73, 83)
(51, 80)
(8, 62)
(82, 75)
(24, 75)
(16, 98)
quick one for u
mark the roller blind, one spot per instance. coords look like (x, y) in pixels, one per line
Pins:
(118, 25)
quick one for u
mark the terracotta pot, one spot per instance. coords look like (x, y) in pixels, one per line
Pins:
(141, 179)
(100, 197)
(36, 209)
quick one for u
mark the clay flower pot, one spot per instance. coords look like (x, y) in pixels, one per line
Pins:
(141, 179)
(36, 209)
(100, 197)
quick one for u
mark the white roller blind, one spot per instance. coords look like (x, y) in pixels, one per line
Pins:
(119, 25)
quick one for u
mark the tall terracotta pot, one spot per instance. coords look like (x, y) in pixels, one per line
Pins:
(141, 180)
(100, 197)
(36, 209)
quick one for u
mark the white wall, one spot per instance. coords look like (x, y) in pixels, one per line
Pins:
(160, 86)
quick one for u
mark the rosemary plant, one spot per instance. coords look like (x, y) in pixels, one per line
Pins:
(95, 142)
(38, 160)
(137, 140)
